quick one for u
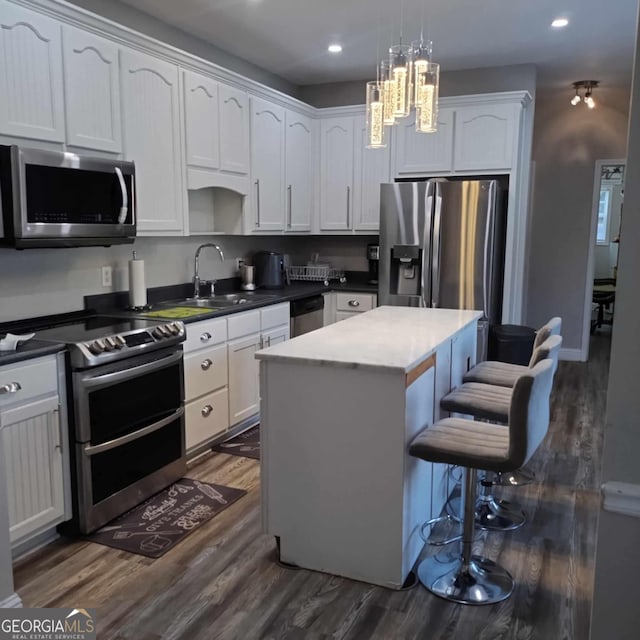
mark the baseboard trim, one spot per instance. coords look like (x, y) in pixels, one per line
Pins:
(572, 355)
(621, 497)
(12, 602)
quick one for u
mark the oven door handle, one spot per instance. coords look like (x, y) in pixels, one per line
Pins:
(134, 372)
(130, 437)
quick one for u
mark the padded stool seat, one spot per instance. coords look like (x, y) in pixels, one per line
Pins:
(501, 374)
(483, 401)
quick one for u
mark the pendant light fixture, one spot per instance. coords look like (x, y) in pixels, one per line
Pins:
(375, 116)
(588, 86)
(407, 78)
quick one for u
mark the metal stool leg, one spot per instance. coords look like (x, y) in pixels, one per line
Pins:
(471, 579)
(496, 515)
(517, 478)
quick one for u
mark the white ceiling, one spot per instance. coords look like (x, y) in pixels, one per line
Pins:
(289, 37)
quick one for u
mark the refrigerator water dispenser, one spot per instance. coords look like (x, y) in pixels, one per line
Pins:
(406, 265)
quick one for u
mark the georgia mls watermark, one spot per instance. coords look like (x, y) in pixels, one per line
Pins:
(48, 624)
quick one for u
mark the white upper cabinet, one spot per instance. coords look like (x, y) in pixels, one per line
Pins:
(485, 136)
(418, 152)
(267, 166)
(31, 101)
(151, 124)
(372, 168)
(92, 91)
(234, 130)
(336, 173)
(298, 171)
(202, 121)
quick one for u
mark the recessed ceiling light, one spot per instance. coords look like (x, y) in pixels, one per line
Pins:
(334, 48)
(559, 23)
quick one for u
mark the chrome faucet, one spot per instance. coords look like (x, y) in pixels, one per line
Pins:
(196, 269)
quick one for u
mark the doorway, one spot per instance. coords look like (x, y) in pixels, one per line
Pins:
(602, 264)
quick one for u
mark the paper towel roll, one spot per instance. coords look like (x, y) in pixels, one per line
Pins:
(137, 286)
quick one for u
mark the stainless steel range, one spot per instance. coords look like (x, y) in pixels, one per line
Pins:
(126, 407)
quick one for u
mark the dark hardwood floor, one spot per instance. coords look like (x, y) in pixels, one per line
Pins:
(223, 582)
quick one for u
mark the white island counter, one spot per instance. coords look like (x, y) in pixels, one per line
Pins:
(339, 407)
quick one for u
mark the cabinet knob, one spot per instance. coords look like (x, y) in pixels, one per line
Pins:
(206, 411)
(206, 364)
(11, 387)
(354, 303)
(205, 337)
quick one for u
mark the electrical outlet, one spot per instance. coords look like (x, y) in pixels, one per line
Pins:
(107, 276)
(240, 262)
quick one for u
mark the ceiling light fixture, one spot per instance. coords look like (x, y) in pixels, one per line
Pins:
(334, 48)
(560, 23)
(407, 79)
(587, 86)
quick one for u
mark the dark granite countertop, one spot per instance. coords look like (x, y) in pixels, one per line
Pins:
(33, 348)
(114, 304)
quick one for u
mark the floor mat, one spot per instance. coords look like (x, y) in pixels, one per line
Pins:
(246, 444)
(161, 522)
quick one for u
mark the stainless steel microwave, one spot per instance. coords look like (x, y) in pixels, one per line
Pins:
(61, 199)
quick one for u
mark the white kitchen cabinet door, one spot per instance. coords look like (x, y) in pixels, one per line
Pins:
(267, 166)
(336, 174)
(234, 130)
(151, 124)
(91, 91)
(31, 100)
(275, 336)
(372, 168)
(32, 451)
(202, 120)
(205, 418)
(298, 171)
(485, 137)
(244, 392)
(418, 152)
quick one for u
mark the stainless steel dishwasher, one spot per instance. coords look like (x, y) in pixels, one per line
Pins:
(306, 315)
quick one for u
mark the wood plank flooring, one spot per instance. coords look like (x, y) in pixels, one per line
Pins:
(222, 582)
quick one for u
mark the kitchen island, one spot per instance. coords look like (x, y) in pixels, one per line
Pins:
(339, 408)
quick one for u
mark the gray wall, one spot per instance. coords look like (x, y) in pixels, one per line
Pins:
(566, 143)
(615, 609)
(452, 83)
(47, 281)
(150, 26)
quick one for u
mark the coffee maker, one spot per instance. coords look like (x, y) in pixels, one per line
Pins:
(373, 255)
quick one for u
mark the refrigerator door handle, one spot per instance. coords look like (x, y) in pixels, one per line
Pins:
(425, 284)
(435, 255)
(488, 232)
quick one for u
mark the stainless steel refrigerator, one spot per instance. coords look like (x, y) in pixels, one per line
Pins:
(442, 245)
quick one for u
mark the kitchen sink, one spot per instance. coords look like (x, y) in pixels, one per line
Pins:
(223, 300)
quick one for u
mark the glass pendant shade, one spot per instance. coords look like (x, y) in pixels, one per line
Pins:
(427, 99)
(421, 57)
(400, 62)
(388, 92)
(375, 116)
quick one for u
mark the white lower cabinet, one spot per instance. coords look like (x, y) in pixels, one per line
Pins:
(33, 444)
(348, 305)
(205, 383)
(244, 392)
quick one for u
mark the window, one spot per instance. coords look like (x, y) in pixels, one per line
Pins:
(604, 210)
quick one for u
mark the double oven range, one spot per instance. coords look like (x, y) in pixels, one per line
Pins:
(126, 410)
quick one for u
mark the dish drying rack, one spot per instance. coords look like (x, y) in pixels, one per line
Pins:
(315, 273)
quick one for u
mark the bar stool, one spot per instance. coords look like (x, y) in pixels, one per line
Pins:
(504, 374)
(473, 579)
(491, 402)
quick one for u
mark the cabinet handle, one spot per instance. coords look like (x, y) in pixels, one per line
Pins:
(290, 214)
(354, 303)
(206, 411)
(205, 337)
(206, 364)
(348, 205)
(11, 387)
(258, 203)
